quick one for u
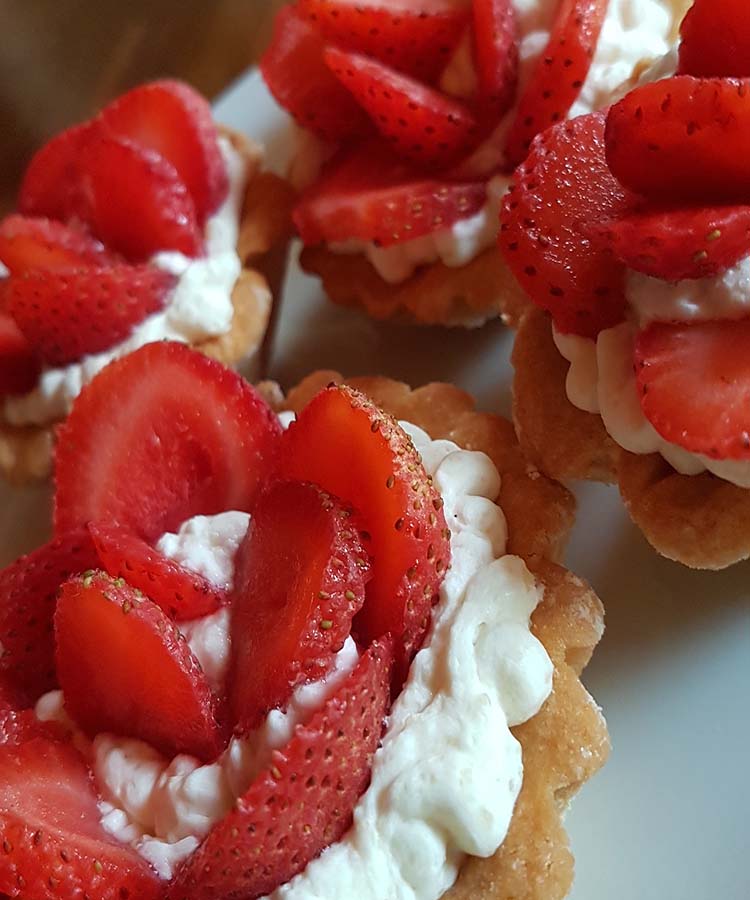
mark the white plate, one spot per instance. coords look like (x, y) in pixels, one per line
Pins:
(668, 816)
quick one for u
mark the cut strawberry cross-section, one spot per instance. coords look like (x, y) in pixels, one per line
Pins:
(301, 576)
(496, 51)
(20, 365)
(125, 668)
(28, 243)
(304, 802)
(716, 39)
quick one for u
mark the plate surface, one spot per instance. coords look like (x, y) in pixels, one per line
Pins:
(668, 816)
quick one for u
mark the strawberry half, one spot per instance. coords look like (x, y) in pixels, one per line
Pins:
(368, 194)
(562, 187)
(559, 74)
(300, 580)
(716, 39)
(66, 315)
(126, 669)
(694, 384)
(344, 443)
(304, 802)
(34, 243)
(683, 139)
(20, 365)
(160, 436)
(183, 595)
(496, 56)
(419, 122)
(54, 847)
(28, 591)
(297, 76)
(176, 122)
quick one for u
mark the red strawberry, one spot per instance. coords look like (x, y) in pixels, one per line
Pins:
(68, 314)
(297, 76)
(29, 243)
(694, 383)
(563, 186)
(676, 243)
(496, 55)
(416, 38)
(344, 443)
(559, 74)
(54, 847)
(19, 364)
(301, 576)
(182, 594)
(683, 139)
(138, 204)
(28, 589)
(125, 668)
(159, 436)
(716, 39)
(174, 120)
(304, 802)
(418, 121)
(367, 194)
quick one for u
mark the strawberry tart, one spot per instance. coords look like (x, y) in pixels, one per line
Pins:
(412, 114)
(633, 366)
(308, 654)
(147, 222)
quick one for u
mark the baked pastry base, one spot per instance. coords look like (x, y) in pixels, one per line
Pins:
(567, 741)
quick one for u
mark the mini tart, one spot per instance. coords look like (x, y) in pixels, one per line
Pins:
(567, 741)
(265, 229)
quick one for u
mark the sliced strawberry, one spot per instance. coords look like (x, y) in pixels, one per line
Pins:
(160, 436)
(496, 55)
(367, 194)
(28, 589)
(20, 365)
(175, 121)
(683, 139)
(32, 243)
(54, 847)
(344, 443)
(419, 122)
(69, 314)
(138, 204)
(559, 74)
(416, 38)
(125, 668)
(560, 190)
(297, 76)
(300, 579)
(694, 384)
(716, 39)
(677, 243)
(304, 802)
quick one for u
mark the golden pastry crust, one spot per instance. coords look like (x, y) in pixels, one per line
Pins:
(567, 742)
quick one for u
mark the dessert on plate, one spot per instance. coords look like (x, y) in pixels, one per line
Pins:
(630, 232)
(149, 221)
(295, 652)
(412, 114)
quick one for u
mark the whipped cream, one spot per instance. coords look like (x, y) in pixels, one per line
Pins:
(199, 308)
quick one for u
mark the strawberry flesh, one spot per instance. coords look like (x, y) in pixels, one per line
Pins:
(496, 56)
(300, 580)
(20, 365)
(28, 243)
(716, 40)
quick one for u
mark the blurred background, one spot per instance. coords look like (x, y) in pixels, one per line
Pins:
(60, 60)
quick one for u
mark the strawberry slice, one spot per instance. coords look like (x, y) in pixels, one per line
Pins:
(28, 243)
(66, 315)
(20, 365)
(559, 75)
(297, 76)
(716, 39)
(367, 194)
(304, 802)
(694, 384)
(563, 186)
(151, 686)
(677, 243)
(183, 595)
(300, 579)
(496, 56)
(683, 139)
(174, 120)
(344, 443)
(160, 436)
(28, 589)
(54, 847)
(416, 38)
(419, 122)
